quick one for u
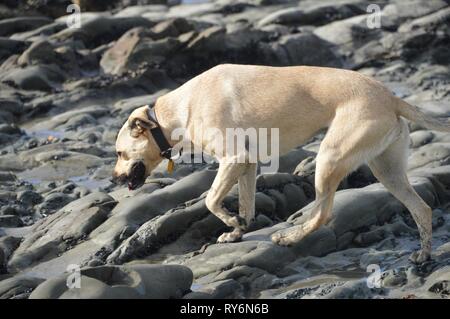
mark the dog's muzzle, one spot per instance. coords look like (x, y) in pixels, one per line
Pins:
(135, 179)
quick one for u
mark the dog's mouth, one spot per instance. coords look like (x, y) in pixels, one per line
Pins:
(136, 178)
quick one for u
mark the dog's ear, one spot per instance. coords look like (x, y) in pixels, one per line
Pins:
(138, 121)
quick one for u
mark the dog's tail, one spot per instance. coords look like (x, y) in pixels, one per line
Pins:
(415, 115)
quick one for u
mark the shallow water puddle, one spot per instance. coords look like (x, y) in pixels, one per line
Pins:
(44, 133)
(194, 1)
(90, 183)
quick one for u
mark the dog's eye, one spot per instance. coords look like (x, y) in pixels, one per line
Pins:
(119, 154)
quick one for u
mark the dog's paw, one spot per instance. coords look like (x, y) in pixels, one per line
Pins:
(419, 257)
(289, 236)
(238, 222)
(231, 237)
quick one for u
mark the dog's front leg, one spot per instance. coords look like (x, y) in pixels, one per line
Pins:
(227, 175)
(247, 190)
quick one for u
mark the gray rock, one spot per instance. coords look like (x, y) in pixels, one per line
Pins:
(145, 51)
(394, 278)
(10, 221)
(18, 287)
(173, 27)
(7, 245)
(262, 255)
(420, 138)
(355, 289)
(38, 52)
(101, 30)
(299, 49)
(318, 243)
(352, 32)
(42, 77)
(158, 231)
(427, 21)
(20, 24)
(120, 282)
(54, 201)
(222, 289)
(41, 32)
(429, 155)
(317, 15)
(29, 198)
(400, 11)
(358, 208)
(9, 47)
(48, 235)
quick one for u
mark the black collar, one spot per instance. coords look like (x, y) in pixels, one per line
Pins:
(158, 135)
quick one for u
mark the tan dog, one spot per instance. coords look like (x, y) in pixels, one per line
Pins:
(364, 126)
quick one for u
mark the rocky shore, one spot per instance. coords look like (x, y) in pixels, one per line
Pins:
(66, 91)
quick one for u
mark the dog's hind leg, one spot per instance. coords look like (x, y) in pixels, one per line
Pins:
(329, 173)
(227, 175)
(390, 169)
(247, 189)
(351, 140)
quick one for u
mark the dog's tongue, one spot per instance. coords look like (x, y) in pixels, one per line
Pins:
(130, 186)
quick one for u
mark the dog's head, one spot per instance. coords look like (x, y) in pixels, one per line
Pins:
(137, 152)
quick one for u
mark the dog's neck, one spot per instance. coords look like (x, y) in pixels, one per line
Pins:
(168, 118)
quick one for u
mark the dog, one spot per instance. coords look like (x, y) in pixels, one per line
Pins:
(366, 124)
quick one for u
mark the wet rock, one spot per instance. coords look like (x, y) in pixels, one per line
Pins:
(7, 245)
(101, 30)
(29, 198)
(264, 204)
(393, 278)
(21, 24)
(133, 49)
(377, 206)
(317, 15)
(319, 243)
(170, 28)
(120, 282)
(38, 52)
(10, 221)
(429, 155)
(398, 12)
(158, 231)
(353, 32)
(299, 49)
(250, 253)
(149, 11)
(419, 138)
(47, 236)
(54, 201)
(9, 132)
(9, 47)
(14, 209)
(98, 5)
(127, 105)
(7, 177)
(355, 289)
(18, 287)
(441, 287)
(223, 289)
(42, 77)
